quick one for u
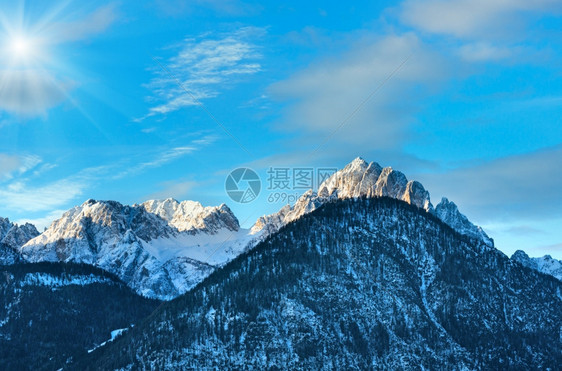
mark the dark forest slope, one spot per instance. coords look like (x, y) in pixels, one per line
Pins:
(357, 284)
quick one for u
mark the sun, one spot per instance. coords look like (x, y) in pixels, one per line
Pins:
(21, 48)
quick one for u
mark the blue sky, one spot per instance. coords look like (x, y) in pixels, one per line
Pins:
(97, 101)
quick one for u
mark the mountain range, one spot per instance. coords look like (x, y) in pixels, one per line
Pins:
(163, 248)
(364, 273)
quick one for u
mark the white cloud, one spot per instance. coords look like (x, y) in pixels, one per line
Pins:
(23, 188)
(203, 66)
(16, 194)
(323, 95)
(472, 19)
(8, 164)
(166, 156)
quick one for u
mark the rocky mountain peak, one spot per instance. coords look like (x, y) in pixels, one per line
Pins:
(449, 213)
(5, 226)
(391, 183)
(520, 256)
(357, 179)
(354, 180)
(415, 194)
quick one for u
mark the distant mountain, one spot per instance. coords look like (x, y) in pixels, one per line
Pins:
(366, 283)
(362, 179)
(51, 313)
(12, 237)
(160, 248)
(546, 264)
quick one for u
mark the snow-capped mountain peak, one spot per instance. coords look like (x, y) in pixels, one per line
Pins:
(192, 216)
(357, 179)
(354, 180)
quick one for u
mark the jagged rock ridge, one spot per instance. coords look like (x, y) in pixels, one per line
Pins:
(448, 212)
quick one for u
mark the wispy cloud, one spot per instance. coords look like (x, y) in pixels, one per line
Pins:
(19, 192)
(203, 66)
(22, 187)
(166, 156)
(11, 165)
(21, 196)
(161, 159)
(487, 30)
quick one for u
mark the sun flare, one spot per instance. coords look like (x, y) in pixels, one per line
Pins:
(21, 48)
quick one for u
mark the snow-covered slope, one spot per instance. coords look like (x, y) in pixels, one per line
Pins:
(545, 264)
(155, 248)
(362, 179)
(12, 237)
